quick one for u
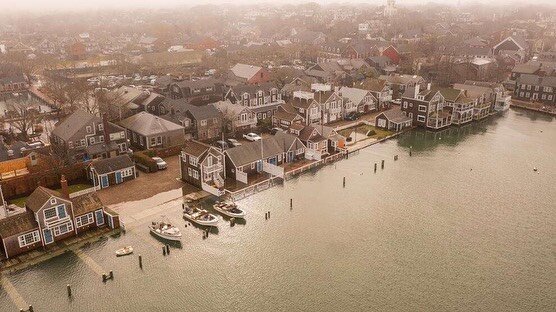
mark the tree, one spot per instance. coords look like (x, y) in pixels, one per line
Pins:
(24, 116)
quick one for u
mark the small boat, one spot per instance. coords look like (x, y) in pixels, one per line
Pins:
(124, 251)
(199, 216)
(165, 230)
(229, 209)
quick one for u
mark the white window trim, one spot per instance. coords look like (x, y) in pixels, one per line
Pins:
(23, 242)
(87, 217)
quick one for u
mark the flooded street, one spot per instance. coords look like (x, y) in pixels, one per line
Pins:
(464, 224)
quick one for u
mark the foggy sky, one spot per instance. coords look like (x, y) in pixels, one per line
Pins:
(71, 5)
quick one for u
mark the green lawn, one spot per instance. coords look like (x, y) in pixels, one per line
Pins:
(72, 189)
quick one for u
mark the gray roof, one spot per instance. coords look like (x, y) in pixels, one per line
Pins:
(68, 127)
(203, 112)
(355, 95)
(395, 115)
(536, 80)
(147, 124)
(39, 197)
(251, 152)
(112, 164)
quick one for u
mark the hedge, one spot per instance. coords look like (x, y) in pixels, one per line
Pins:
(145, 160)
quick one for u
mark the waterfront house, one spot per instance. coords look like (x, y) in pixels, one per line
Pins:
(12, 79)
(380, 89)
(50, 217)
(335, 141)
(316, 144)
(147, 131)
(536, 88)
(462, 105)
(484, 97)
(203, 166)
(393, 119)
(83, 136)
(111, 171)
(426, 108)
(236, 118)
(200, 122)
(358, 100)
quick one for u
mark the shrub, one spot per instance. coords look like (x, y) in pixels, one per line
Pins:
(371, 133)
(145, 160)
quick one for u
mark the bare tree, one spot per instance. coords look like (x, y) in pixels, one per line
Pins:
(23, 114)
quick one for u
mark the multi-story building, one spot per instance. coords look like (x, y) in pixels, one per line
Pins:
(147, 131)
(358, 100)
(199, 92)
(236, 118)
(203, 166)
(83, 136)
(536, 88)
(305, 105)
(263, 99)
(427, 108)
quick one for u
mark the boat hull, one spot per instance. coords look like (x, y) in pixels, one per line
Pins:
(201, 222)
(166, 237)
(228, 213)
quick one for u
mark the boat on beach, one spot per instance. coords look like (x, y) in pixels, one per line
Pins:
(229, 209)
(128, 250)
(199, 216)
(165, 230)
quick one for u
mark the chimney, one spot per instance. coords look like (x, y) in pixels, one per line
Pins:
(64, 185)
(428, 86)
(105, 129)
(417, 90)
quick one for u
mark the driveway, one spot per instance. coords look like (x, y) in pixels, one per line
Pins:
(147, 185)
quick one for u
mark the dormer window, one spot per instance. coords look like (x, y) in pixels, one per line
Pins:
(89, 129)
(100, 127)
(53, 201)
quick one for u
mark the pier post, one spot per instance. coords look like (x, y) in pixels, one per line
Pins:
(111, 275)
(232, 221)
(291, 203)
(410, 148)
(344, 183)
(104, 277)
(269, 214)
(375, 167)
(31, 308)
(140, 262)
(266, 215)
(163, 251)
(69, 290)
(207, 231)
(382, 165)
(395, 157)
(167, 249)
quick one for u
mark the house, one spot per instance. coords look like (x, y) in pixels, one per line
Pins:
(249, 74)
(301, 83)
(379, 89)
(305, 105)
(199, 92)
(399, 83)
(264, 156)
(336, 141)
(236, 118)
(127, 101)
(12, 79)
(330, 102)
(426, 108)
(392, 53)
(285, 116)
(393, 119)
(485, 97)
(50, 217)
(263, 99)
(462, 106)
(203, 166)
(536, 88)
(513, 45)
(327, 72)
(83, 136)
(358, 100)
(200, 122)
(146, 131)
(316, 144)
(111, 171)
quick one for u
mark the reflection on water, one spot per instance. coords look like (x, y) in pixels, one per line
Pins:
(424, 234)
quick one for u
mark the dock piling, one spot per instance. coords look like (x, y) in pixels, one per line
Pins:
(291, 203)
(266, 215)
(111, 275)
(140, 262)
(269, 214)
(31, 308)
(382, 165)
(167, 249)
(375, 167)
(395, 157)
(232, 221)
(410, 148)
(69, 290)
(344, 183)
(104, 277)
(163, 250)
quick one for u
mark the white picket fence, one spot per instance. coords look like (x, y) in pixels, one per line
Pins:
(85, 191)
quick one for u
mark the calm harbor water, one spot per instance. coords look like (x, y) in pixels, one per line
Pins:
(464, 224)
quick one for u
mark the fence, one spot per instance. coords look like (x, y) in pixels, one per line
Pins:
(85, 191)
(329, 159)
(253, 189)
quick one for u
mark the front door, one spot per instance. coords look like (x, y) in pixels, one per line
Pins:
(259, 166)
(104, 181)
(48, 236)
(118, 177)
(273, 160)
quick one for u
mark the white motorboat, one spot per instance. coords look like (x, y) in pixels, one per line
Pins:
(165, 230)
(200, 216)
(128, 250)
(229, 209)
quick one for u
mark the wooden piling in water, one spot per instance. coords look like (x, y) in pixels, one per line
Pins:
(375, 167)
(31, 308)
(163, 250)
(140, 262)
(167, 249)
(344, 183)
(69, 290)
(104, 277)
(111, 276)
(382, 165)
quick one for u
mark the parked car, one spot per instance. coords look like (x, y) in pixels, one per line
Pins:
(221, 144)
(273, 131)
(251, 137)
(233, 142)
(352, 116)
(160, 163)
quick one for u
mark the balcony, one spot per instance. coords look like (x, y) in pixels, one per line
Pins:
(213, 168)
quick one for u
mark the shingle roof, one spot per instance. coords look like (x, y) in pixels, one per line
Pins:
(147, 124)
(68, 127)
(355, 95)
(107, 165)
(251, 152)
(203, 112)
(17, 224)
(395, 115)
(39, 197)
(536, 80)
(86, 203)
(195, 148)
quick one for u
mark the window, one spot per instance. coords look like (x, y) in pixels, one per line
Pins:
(100, 217)
(404, 104)
(550, 97)
(382, 123)
(101, 138)
(61, 211)
(203, 122)
(252, 165)
(153, 141)
(421, 118)
(63, 229)
(100, 127)
(159, 140)
(29, 238)
(49, 213)
(92, 140)
(189, 171)
(422, 108)
(193, 160)
(127, 172)
(89, 129)
(195, 174)
(84, 220)
(70, 144)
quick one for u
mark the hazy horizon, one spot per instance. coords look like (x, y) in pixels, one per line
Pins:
(68, 5)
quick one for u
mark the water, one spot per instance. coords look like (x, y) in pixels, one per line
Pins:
(464, 224)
